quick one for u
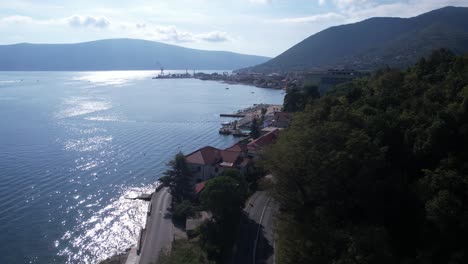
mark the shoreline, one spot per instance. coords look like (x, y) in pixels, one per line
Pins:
(133, 254)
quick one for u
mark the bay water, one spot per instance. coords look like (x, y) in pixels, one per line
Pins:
(74, 145)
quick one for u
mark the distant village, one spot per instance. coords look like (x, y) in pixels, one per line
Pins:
(323, 79)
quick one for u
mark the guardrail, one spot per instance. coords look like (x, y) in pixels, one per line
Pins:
(140, 241)
(159, 187)
(150, 207)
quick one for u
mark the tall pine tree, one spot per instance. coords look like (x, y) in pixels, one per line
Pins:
(179, 179)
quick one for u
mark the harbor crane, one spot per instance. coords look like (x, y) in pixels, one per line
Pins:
(161, 67)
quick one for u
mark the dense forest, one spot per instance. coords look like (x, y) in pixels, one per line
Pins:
(376, 171)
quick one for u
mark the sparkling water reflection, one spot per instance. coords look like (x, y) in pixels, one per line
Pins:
(75, 144)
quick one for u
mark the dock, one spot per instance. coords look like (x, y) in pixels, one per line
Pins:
(241, 127)
(144, 197)
(233, 115)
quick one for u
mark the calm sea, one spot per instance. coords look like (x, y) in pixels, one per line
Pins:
(73, 145)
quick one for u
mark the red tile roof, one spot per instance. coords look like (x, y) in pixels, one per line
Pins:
(199, 187)
(265, 140)
(237, 147)
(230, 156)
(204, 156)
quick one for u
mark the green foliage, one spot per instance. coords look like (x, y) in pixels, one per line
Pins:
(252, 175)
(224, 197)
(179, 179)
(183, 210)
(376, 171)
(185, 252)
(296, 99)
(255, 128)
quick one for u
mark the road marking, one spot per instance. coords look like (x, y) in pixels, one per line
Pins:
(252, 200)
(258, 232)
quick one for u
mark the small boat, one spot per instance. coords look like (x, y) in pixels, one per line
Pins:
(252, 92)
(224, 131)
(227, 88)
(240, 133)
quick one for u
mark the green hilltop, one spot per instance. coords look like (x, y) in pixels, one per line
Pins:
(375, 43)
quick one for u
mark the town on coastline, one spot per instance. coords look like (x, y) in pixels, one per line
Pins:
(257, 127)
(324, 79)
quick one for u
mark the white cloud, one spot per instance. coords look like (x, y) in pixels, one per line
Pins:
(88, 21)
(140, 26)
(344, 4)
(261, 2)
(214, 36)
(173, 34)
(348, 11)
(16, 20)
(314, 18)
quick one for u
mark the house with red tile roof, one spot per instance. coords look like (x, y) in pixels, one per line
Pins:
(255, 146)
(281, 119)
(208, 162)
(238, 147)
(202, 163)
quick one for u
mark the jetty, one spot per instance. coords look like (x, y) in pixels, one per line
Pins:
(233, 115)
(241, 126)
(144, 197)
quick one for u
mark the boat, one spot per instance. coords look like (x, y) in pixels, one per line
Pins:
(227, 88)
(240, 133)
(224, 131)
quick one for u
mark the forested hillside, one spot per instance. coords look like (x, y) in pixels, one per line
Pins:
(376, 171)
(376, 42)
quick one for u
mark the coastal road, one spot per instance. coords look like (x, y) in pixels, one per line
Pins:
(255, 243)
(159, 230)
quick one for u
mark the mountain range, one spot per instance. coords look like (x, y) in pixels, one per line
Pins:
(118, 54)
(376, 42)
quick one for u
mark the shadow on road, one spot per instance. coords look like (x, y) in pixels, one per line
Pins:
(246, 243)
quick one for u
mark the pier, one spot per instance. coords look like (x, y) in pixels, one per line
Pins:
(241, 127)
(233, 115)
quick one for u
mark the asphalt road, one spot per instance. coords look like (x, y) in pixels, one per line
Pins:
(159, 231)
(255, 244)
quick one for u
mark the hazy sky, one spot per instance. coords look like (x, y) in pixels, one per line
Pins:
(263, 27)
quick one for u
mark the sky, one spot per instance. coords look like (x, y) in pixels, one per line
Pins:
(260, 27)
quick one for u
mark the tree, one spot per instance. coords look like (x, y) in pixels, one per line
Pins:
(254, 129)
(185, 252)
(224, 197)
(375, 171)
(179, 179)
(296, 99)
(182, 210)
(293, 100)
